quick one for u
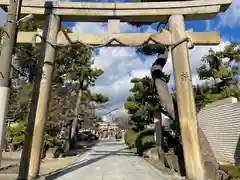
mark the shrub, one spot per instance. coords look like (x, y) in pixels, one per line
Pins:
(145, 140)
(169, 141)
(130, 138)
(50, 141)
(16, 135)
(142, 140)
(232, 171)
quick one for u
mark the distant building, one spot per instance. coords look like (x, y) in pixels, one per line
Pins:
(107, 126)
(108, 129)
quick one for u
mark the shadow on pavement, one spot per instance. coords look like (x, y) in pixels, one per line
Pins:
(82, 164)
(108, 143)
(118, 153)
(80, 148)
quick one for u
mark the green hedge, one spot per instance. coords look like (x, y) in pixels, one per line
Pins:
(140, 140)
(232, 170)
(145, 140)
(130, 138)
(16, 137)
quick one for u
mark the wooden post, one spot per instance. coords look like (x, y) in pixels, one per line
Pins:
(158, 131)
(113, 26)
(159, 136)
(185, 101)
(50, 34)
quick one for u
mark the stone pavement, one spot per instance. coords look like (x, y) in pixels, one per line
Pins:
(110, 160)
(10, 159)
(9, 167)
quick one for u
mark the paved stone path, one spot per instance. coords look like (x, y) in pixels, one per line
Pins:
(10, 159)
(110, 160)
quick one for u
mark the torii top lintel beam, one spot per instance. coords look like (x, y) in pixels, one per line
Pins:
(126, 12)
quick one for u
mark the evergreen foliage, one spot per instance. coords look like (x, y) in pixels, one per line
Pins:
(73, 73)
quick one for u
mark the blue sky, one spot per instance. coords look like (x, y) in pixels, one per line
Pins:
(120, 62)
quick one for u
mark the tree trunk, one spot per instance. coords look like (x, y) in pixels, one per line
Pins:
(67, 136)
(74, 129)
(159, 136)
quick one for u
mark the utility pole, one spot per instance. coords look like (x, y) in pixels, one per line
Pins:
(9, 38)
(51, 28)
(185, 101)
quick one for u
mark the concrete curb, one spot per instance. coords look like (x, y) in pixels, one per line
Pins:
(163, 174)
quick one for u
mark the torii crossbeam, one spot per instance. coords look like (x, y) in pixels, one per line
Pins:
(127, 39)
(175, 13)
(126, 12)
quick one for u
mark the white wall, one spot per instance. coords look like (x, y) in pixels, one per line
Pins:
(220, 122)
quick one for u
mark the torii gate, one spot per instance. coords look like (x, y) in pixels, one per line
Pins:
(175, 13)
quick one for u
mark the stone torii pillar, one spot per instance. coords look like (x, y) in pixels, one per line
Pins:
(185, 100)
(51, 28)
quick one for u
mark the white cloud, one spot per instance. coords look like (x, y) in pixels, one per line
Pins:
(231, 17)
(125, 27)
(150, 30)
(87, 27)
(120, 112)
(118, 62)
